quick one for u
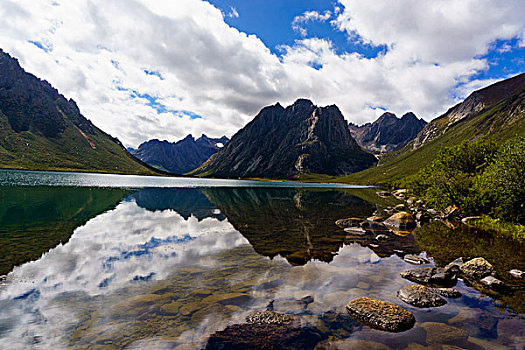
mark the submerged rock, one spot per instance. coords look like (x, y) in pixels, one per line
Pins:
(354, 344)
(269, 317)
(264, 336)
(401, 221)
(436, 276)
(380, 314)
(477, 268)
(448, 292)
(440, 333)
(420, 296)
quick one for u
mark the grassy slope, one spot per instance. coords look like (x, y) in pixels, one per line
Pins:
(399, 164)
(70, 151)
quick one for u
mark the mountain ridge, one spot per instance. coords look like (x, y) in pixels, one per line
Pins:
(179, 157)
(285, 142)
(388, 132)
(496, 112)
(40, 129)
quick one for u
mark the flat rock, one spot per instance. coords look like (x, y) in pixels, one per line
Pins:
(477, 268)
(458, 262)
(494, 284)
(355, 230)
(420, 296)
(415, 260)
(401, 221)
(435, 276)
(348, 222)
(375, 218)
(380, 314)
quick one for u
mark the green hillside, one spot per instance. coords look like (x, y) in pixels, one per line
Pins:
(496, 113)
(42, 130)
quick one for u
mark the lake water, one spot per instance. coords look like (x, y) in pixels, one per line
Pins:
(110, 262)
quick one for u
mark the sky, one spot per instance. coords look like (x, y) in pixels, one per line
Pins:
(144, 69)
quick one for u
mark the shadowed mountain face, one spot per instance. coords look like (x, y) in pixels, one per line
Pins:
(41, 129)
(388, 132)
(283, 142)
(179, 157)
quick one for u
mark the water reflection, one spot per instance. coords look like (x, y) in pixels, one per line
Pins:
(169, 267)
(34, 220)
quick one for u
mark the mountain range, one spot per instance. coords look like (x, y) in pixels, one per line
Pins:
(179, 157)
(495, 112)
(42, 130)
(388, 132)
(285, 142)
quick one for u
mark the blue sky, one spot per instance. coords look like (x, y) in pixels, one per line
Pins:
(164, 69)
(271, 21)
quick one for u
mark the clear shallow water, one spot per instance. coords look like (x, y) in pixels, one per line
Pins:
(163, 268)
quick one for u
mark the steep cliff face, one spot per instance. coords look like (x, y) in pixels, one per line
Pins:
(511, 89)
(179, 157)
(388, 132)
(41, 129)
(282, 142)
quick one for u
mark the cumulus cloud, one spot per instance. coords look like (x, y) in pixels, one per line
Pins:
(142, 69)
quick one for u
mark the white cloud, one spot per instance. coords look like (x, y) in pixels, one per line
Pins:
(181, 56)
(233, 13)
(309, 16)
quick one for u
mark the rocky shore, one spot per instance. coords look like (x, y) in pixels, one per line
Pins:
(385, 233)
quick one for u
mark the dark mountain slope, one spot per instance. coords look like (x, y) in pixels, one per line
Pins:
(496, 112)
(284, 142)
(388, 132)
(41, 129)
(179, 157)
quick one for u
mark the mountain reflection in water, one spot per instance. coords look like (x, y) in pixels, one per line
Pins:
(170, 267)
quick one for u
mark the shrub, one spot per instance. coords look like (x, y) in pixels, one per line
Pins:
(450, 179)
(504, 181)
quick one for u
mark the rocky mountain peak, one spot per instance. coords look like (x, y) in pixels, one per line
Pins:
(388, 132)
(283, 142)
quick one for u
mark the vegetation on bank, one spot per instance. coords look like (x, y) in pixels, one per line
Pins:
(479, 177)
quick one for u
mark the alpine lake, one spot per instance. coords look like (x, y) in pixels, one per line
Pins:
(92, 261)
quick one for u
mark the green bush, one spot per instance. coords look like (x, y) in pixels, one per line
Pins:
(504, 181)
(451, 178)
